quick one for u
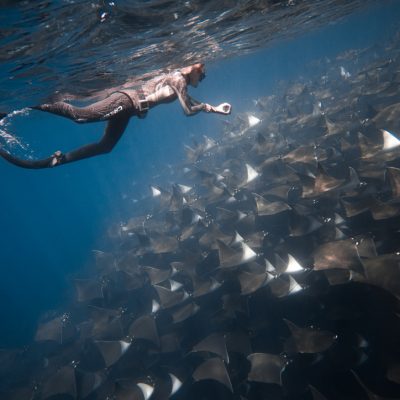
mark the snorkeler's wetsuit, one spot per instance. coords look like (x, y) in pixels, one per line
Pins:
(117, 109)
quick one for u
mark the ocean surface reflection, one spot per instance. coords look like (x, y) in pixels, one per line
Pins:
(76, 48)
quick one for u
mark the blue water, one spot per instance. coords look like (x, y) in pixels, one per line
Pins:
(52, 219)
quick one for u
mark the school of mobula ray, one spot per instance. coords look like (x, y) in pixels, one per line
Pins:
(271, 270)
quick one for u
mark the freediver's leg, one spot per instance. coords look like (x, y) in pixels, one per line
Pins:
(113, 132)
(116, 103)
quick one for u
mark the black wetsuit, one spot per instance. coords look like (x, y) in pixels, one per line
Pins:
(117, 109)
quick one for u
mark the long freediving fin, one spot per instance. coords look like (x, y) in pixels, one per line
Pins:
(30, 164)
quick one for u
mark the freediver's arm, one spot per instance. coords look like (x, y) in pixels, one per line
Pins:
(189, 105)
(224, 108)
(192, 106)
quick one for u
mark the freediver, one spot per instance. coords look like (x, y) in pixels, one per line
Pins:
(118, 108)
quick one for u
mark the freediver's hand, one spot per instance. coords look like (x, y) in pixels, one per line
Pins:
(208, 108)
(224, 108)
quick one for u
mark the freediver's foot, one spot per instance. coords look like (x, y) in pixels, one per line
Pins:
(57, 158)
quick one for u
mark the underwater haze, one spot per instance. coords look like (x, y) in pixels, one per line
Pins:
(254, 255)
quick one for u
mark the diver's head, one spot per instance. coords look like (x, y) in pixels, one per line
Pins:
(194, 73)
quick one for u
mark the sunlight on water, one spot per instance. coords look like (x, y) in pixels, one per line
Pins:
(73, 49)
(6, 122)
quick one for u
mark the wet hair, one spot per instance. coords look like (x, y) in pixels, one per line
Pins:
(199, 67)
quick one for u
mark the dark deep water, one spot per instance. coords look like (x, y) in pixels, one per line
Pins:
(51, 220)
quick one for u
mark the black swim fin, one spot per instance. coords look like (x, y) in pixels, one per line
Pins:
(31, 164)
(2, 115)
